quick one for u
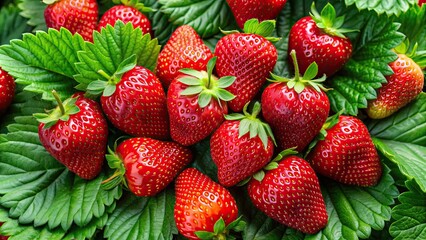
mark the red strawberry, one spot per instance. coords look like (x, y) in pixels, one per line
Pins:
(421, 2)
(241, 146)
(78, 16)
(129, 11)
(319, 38)
(248, 56)
(197, 104)
(148, 165)
(1, 236)
(296, 108)
(7, 90)
(203, 209)
(184, 49)
(134, 101)
(75, 133)
(244, 10)
(401, 88)
(347, 154)
(291, 195)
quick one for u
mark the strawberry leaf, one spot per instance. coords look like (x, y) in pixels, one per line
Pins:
(409, 224)
(44, 61)
(12, 24)
(37, 189)
(390, 7)
(111, 47)
(366, 70)
(34, 12)
(205, 16)
(142, 218)
(161, 27)
(355, 211)
(402, 139)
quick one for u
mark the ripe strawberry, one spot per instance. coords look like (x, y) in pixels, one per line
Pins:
(145, 165)
(347, 154)
(184, 49)
(134, 101)
(319, 38)
(421, 2)
(75, 133)
(2, 237)
(241, 146)
(7, 90)
(203, 209)
(401, 88)
(248, 56)
(262, 10)
(197, 104)
(296, 108)
(78, 16)
(128, 11)
(291, 195)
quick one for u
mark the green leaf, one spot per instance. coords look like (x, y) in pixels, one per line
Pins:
(205, 16)
(142, 218)
(410, 220)
(162, 27)
(389, 7)
(12, 24)
(126, 65)
(110, 48)
(39, 190)
(366, 70)
(34, 12)
(44, 61)
(355, 211)
(402, 139)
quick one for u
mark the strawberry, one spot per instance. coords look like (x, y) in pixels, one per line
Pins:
(403, 86)
(3, 237)
(75, 133)
(197, 104)
(296, 108)
(262, 10)
(134, 100)
(248, 56)
(290, 194)
(421, 2)
(347, 154)
(145, 165)
(7, 90)
(78, 16)
(319, 38)
(128, 11)
(204, 209)
(184, 49)
(241, 146)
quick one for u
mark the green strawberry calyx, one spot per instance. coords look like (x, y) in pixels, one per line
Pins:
(107, 86)
(114, 162)
(298, 82)
(253, 26)
(411, 51)
(206, 85)
(252, 125)
(221, 231)
(50, 2)
(328, 22)
(273, 164)
(136, 4)
(62, 112)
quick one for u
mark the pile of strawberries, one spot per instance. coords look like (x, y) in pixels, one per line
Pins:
(271, 134)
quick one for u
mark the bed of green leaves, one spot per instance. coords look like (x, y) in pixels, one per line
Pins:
(41, 199)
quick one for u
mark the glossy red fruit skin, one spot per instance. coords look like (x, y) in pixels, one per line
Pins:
(189, 123)
(291, 195)
(184, 49)
(262, 10)
(138, 106)
(248, 57)
(151, 164)
(78, 16)
(126, 14)
(421, 2)
(237, 158)
(347, 154)
(7, 90)
(79, 143)
(401, 88)
(200, 202)
(311, 44)
(295, 119)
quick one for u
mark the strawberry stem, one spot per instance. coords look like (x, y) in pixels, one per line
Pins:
(58, 100)
(296, 65)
